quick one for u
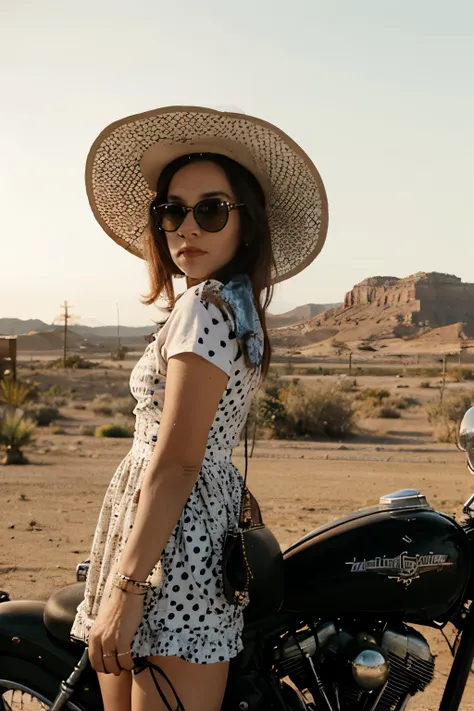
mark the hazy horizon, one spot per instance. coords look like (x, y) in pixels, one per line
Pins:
(379, 94)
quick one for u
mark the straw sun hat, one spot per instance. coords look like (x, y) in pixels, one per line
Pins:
(127, 158)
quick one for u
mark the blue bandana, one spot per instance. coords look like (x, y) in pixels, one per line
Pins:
(238, 294)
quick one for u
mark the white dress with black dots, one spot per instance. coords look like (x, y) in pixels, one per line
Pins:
(186, 613)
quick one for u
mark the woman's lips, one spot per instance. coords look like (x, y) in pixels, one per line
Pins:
(192, 253)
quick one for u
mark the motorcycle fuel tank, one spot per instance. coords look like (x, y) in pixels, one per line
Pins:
(400, 560)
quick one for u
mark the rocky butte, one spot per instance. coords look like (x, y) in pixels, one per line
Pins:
(385, 308)
(433, 299)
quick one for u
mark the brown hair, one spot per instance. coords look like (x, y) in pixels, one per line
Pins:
(254, 256)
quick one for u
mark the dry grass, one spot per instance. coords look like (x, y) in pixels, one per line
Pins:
(292, 411)
(461, 374)
(445, 415)
(379, 403)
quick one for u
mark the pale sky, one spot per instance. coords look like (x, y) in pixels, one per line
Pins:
(379, 93)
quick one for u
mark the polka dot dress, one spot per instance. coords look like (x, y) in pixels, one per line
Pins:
(186, 613)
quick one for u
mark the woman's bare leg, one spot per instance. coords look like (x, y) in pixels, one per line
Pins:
(116, 691)
(200, 687)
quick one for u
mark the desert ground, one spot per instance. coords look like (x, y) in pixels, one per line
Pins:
(51, 506)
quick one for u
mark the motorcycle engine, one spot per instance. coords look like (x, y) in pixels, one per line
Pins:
(351, 665)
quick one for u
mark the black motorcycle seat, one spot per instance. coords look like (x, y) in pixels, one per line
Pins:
(60, 610)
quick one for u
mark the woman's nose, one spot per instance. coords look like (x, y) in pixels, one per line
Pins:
(189, 225)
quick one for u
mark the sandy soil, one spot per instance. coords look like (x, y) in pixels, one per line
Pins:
(50, 507)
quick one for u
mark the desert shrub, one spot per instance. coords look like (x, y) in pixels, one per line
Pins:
(55, 395)
(368, 402)
(87, 430)
(318, 411)
(43, 415)
(17, 392)
(346, 385)
(378, 394)
(388, 412)
(102, 405)
(425, 384)
(366, 347)
(72, 361)
(403, 403)
(124, 405)
(293, 411)
(16, 431)
(461, 374)
(445, 415)
(374, 402)
(52, 392)
(271, 411)
(400, 404)
(113, 430)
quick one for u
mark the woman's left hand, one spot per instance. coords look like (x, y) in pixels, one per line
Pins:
(113, 631)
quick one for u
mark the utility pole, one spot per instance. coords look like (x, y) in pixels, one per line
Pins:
(65, 315)
(443, 381)
(118, 333)
(65, 318)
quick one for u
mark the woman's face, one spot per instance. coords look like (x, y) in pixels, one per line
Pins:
(197, 253)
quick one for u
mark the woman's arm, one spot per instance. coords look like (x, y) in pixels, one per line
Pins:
(194, 387)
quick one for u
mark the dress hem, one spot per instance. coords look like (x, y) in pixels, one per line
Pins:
(195, 644)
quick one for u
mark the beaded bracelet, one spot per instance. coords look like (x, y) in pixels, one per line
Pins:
(137, 583)
(127, 587)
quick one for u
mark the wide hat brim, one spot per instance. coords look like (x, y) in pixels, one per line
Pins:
(126, 159)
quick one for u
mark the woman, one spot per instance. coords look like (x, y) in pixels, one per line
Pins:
(233, 205)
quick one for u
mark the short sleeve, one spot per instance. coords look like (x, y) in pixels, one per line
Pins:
(201, 327)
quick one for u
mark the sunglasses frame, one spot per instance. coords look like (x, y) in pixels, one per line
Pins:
(229, 206)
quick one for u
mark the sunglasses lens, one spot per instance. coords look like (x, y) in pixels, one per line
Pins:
(211, 215)
(169, 217)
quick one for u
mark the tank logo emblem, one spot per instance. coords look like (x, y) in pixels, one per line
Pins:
(403, 568)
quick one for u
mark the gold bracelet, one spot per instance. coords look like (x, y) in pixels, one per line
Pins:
(127, 587)
(143, 585)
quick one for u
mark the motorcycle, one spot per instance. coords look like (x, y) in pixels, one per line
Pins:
(341, 639)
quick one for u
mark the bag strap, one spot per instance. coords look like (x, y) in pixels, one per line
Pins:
(151, 666)
(246, 452)
(250, 514)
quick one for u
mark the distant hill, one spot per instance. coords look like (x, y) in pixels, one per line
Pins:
(17, 327)
(298, 315)
(430, 311)
(388, 309)
(52, 340)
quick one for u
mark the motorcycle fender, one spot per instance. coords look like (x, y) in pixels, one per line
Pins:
(25, 643)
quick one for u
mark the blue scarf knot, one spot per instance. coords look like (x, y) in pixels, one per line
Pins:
(238, 294)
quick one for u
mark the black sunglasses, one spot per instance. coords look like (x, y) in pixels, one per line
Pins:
(210, 214)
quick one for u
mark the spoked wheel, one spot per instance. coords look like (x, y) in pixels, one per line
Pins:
(16, 697)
